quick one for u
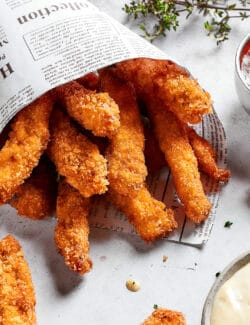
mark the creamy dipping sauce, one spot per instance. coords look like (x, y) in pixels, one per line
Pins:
(232, 302)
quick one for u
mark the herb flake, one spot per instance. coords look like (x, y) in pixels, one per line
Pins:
(228, 224)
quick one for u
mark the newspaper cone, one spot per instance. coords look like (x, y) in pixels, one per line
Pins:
(47, 43)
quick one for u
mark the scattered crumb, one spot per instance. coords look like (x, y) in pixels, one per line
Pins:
(217, 274)
(164, 258)
(133, 285)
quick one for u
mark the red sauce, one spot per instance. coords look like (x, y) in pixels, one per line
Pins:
(244, 51)
(245, 64)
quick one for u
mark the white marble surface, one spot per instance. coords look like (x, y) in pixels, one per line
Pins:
(183, 281)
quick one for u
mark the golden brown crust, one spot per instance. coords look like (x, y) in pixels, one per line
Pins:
(72, 230)
(127, 170)
(17, 296)
(126, 163)
(162, 316)
(150, 217)
(144, 72)
(94, 111)
(27, 141)
(206, 157)
(174, 142)
(76, 157)
(184, 97)
(173, 85)
(36, 198)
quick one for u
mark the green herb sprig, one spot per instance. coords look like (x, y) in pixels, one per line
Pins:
(217, 15)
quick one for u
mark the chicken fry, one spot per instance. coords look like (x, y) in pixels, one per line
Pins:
(173, 141)
(72, 230)
(94, 111)
(162, 316)
(27, 141)
(127, 170)
(174, 86)
(17, 296)
(36, 198)
(76, 157)
(206, 157)
(149, 216)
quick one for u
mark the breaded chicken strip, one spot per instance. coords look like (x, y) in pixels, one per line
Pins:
(94, 111)
(174, 86)
(72, 230)
(126, 163)
(174, 142)
(76, 157)
(206, 157)
(27, 141)
(149, 216)
(17, 296)
(127, 170)
(36, 198)
(162, 316)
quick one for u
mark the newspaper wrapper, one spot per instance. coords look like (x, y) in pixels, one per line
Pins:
(49, 42)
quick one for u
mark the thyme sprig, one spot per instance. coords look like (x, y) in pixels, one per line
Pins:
(166, 13)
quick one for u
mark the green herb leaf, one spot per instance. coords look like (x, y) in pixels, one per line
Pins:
(231, 7)
(228, 224)
(166, 14)
(155, 306)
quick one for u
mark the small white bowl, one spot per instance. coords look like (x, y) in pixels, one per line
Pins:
(242, 88)
(227, 273)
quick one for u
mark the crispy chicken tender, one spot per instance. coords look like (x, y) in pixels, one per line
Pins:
(94, 111)
(126, 163)
(149, 216)
(76, 157)
(36, 198)
(127, 170)
(17, 296)
(27, 141)
(184, 97)
(173, 84)
(174, 142)
(72, 230)
(206, 157)
(162, 316)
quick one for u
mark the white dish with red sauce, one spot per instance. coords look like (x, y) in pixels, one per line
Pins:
(242, 73)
